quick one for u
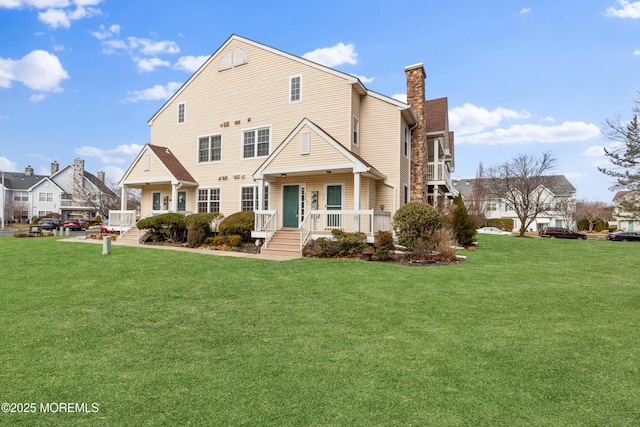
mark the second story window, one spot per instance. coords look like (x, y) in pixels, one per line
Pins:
(210, 149)
(295, 89)
(181, 111)
(356, 131)
(256, 143)
(407, 140)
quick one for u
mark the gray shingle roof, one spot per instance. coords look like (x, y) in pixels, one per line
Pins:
(557, 184)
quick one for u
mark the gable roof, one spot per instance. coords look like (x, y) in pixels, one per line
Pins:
(436, 112)
(21, 180)
(353, 80)
(356, 162)
(559, 185)
(172, 164)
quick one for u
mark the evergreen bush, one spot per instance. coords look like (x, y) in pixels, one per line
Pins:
(416, 221)
(240, 223)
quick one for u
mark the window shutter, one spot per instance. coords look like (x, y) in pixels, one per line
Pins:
(304, 143)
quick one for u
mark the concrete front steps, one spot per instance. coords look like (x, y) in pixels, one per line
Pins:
(284, 242)
(130, 236)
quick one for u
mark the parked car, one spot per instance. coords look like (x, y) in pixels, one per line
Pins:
(624, 236)
(76, 224)
(104, 228)
(493, 230)
(49, 223)
(561, 233)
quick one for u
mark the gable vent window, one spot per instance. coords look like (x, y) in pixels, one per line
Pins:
(181, 112)
(233, 59)
(295, 89)
(304, 143)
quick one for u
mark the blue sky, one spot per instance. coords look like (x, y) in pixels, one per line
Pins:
(81, 78)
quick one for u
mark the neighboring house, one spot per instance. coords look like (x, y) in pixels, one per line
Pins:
(558, 198)
(71, 192)
(625, 218)
(306, 147)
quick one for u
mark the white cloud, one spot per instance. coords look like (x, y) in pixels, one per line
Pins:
(106, 33)
(364, 79)
(402, 97)
(471, 119)
(38, 70)
(158, 92)
(332, 56)
(7, 165)
(190, 63)
(594, 151)
(636, 52)
(150, 64)
(628, 10)
(143, 46)
(58, 13)
(122, 154)
(549, 120)
(574, 175)
(37, 97)
(525, 10)
(530, 133)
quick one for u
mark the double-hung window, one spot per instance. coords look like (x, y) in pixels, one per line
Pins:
(407, 141)
(256, 143)
(210, 149)
(45, 197)
(249, 198)
(356, 131)
(209, 200)
(181, 112)
(295, 90)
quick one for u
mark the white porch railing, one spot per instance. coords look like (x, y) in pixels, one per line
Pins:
(436, 171)
(121, 220)
(266, 221)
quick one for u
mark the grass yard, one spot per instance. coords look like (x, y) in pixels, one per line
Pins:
(528, 332)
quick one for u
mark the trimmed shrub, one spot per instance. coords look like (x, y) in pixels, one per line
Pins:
(383, 245)
(234, 240)
(501, 223)
(165, 227)
(416, 221)
(321, 248)
(349, 243)
(199, 227)
(240, 223)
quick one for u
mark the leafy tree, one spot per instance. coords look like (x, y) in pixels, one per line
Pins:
(624, 157)
(519, 183)
(462, 223)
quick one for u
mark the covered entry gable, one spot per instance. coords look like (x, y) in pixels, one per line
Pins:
(310, 150)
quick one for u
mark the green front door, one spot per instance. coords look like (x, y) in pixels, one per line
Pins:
(290, 204)
(182, 201)
(155, 204)
(334, 202)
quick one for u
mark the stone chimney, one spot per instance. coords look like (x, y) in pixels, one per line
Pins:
(101, 176)
(55, 167)
(78, 179)
(28, 171)
(416, 96)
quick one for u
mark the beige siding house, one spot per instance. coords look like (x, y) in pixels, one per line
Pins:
(306, 147)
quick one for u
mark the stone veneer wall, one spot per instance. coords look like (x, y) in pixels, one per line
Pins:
(78, 180)
(416, 96)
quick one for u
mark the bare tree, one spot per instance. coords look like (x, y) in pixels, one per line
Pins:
(520, 183)
(625, 158)
(592, 212)
(565, 208)
(477, 200)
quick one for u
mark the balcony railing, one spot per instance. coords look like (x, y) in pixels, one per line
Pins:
(436, 171)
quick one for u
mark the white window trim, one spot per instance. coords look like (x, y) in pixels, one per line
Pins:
(355, 136)
(305, 143)
(255, 151)
(198, 162)
(406, 142)
(184, 113)
(294, 101)
(208, 201)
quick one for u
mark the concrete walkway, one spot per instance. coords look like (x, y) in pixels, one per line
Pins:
(116, 243)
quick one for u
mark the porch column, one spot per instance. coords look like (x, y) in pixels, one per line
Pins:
(436, 163)
(174, 197)
(356, 200)
(261, 186)
(123, 198)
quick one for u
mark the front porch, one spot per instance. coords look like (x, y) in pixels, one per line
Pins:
(319, 223)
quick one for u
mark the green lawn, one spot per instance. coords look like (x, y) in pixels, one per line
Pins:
(528, 332)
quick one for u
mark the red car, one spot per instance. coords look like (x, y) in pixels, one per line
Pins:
(75, 224)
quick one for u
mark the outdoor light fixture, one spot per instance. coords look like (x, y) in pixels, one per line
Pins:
(284, 175)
